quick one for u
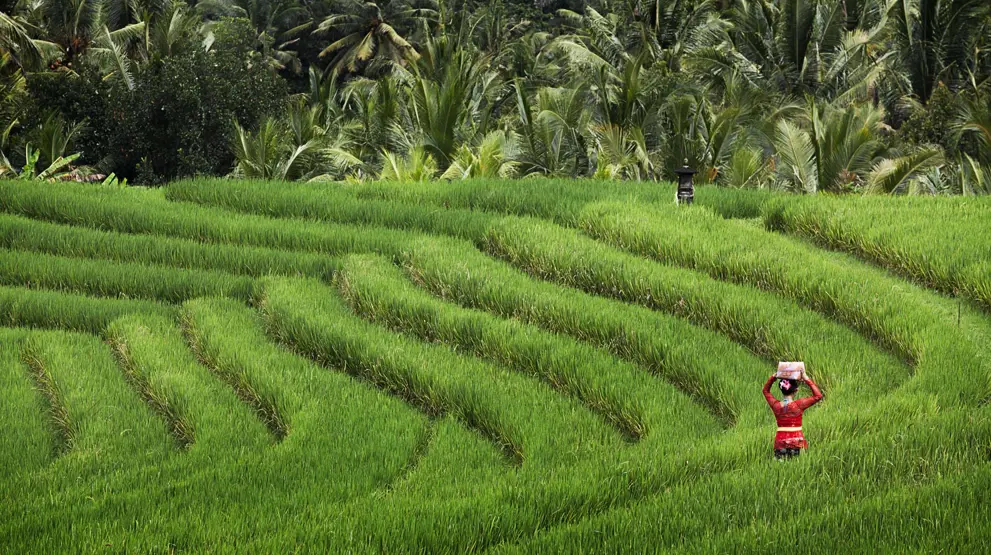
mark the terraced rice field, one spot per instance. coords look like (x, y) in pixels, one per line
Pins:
(528, 366)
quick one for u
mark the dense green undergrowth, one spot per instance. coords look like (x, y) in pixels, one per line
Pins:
(549, 366)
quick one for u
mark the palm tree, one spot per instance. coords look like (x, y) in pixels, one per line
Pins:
(974, 121)
(74, 25)
(298, 146)
(899, 175)
(379, 119)
(454, 93)
(492, 159)
(417, 166)
(934, 39)
(553, 141)
(666, 28)
(367, 33)
(17, 44)
(841, 151)
(794, 47)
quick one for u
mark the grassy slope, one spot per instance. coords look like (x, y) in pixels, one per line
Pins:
(461, 402)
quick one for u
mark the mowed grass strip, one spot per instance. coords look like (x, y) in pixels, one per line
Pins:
(636, 404)
(50, 309)
(771, 327)
(908, 321)
(525, 418)
(341, 438)
(117, 279)
(23, 234)
(146, 212)
(200, 410)
(26, 440)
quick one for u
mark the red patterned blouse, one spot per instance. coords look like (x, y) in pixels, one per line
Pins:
(789, 416)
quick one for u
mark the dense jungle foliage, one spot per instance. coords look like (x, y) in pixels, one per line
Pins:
(879, 96)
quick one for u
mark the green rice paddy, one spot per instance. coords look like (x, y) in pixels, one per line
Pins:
(502, 366)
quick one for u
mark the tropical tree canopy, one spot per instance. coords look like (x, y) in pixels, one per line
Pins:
(840, 96)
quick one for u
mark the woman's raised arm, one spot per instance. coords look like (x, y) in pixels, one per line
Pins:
(807, 402)
(767, 392)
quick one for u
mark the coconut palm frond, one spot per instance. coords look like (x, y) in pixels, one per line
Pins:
(893, 175)
(796, 164)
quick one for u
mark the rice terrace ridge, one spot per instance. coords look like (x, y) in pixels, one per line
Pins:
(488, 365)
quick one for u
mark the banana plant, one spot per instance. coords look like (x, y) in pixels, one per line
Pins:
(59, 170)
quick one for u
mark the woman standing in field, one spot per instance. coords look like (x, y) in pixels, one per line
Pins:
(789, 441)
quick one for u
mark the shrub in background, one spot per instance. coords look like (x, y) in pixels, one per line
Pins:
(177, 121)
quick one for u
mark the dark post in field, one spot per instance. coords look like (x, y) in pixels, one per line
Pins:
(686, 190)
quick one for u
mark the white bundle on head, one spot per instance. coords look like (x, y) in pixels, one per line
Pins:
(792, 370)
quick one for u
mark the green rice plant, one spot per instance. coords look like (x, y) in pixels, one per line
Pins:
(559, 199)
(326, 420)
(49, 309)
(26, 443)
(246, 483)
(60, 424)
(807, 504)
(328, 204)
(529, 422)
(897, 317)
(143, 212)
(627, 397)
(943, 516)
(772, 328)
(116, 279)
(101, 415)
(345, 466)
(20, 233)
(287, 202)
(544, 197)
(703, 365)
(633, 332)
(936, 242)
(199, 410)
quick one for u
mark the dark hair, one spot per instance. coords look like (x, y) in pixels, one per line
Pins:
(790, 388)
